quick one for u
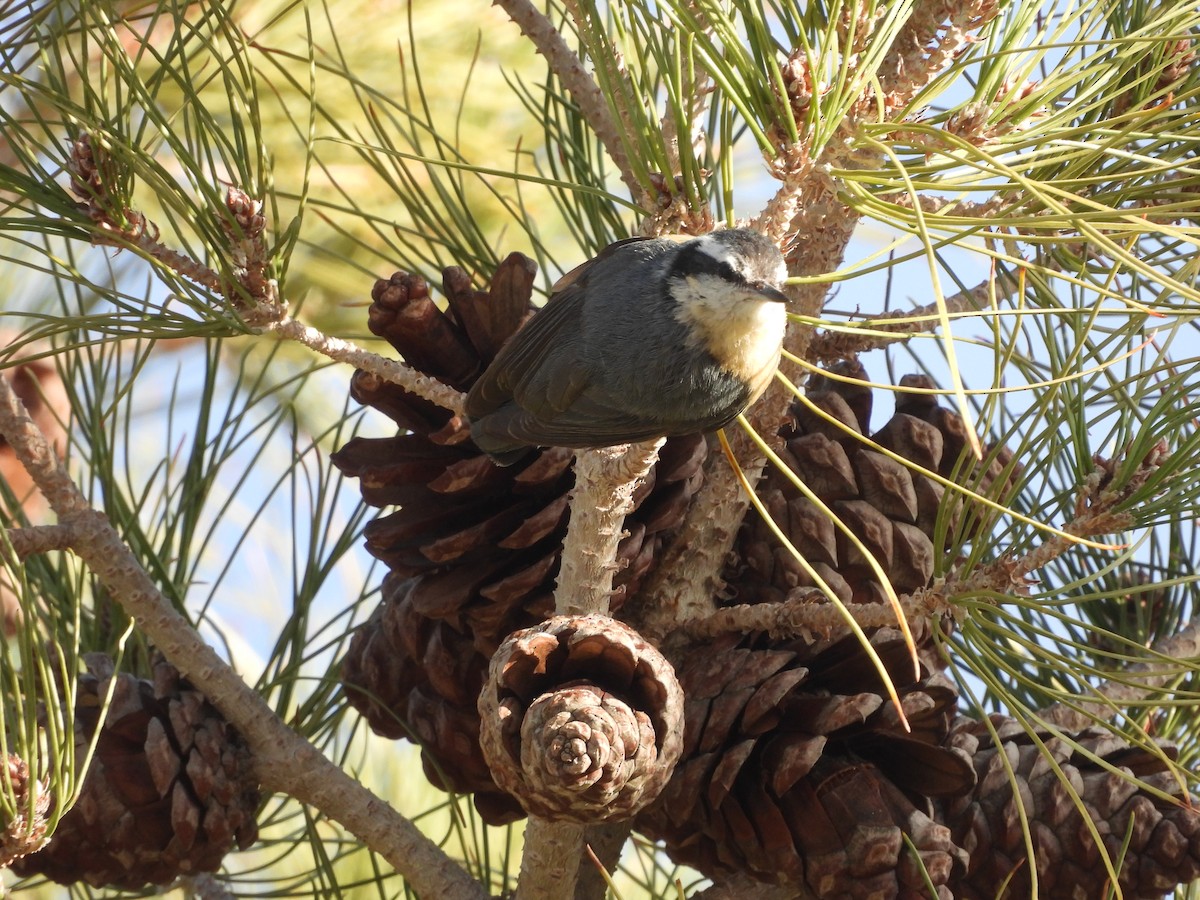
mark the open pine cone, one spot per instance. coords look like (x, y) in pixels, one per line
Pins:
(796, 769)
(582, 719)
(169, 792)
(892, 509)
(25, 832)
(473, 548)
(1154, 842)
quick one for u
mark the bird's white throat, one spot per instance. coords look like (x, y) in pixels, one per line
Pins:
(743, 332)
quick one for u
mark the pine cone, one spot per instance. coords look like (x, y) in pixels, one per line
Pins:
(169, 792)
(416, 677)
(1153, 842)
(796, 769)
(892, 509)
(26, 831)
(473, 548)
(581, 719)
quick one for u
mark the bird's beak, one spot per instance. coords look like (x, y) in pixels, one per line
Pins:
(771, 293)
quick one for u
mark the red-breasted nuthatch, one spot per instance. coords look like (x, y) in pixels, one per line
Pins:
(652, 338)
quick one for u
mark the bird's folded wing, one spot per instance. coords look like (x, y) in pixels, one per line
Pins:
(554, 326)
(586, 423)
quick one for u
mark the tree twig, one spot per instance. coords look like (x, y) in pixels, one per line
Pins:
(389, 370)
(804, 614)
(550, 860)
(605, 480)
(40, 539)
(250, 292)
(831, 346)
(1149, 676)
(284, 760)
(604, 844)
(566, 64)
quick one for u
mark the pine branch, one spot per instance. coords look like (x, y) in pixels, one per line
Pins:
(605, 480)
(285, 761)
(1137, 682)
(252, 293)
(565, 63)
(937, 31)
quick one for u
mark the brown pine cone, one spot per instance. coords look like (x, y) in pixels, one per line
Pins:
(892, 509)
(1153, 843)
(796, 769)
(582, 719)
(473, 548)
(169, 792)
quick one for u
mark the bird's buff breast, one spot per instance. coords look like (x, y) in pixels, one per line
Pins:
(744, 339)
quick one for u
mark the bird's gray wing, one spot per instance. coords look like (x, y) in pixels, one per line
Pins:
(581, 270)
(586, 423)
(530, 351)
(542, 388)
(527, 368)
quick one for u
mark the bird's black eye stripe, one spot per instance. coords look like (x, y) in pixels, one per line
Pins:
(729, 273)
(696, 261)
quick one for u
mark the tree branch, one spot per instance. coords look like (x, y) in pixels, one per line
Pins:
(284, 760)
(566, 64)
(605, 480)
(1150, 676)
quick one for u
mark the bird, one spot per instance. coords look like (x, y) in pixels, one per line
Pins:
(654, 337)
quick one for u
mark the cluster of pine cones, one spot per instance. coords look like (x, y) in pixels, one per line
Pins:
(795, 766)
(781, 759)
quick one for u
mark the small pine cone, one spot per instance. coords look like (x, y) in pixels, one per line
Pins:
(473, 549)
(169, 792)
(892, 509)
(581, 719)
(1153, 843)
(796, 769)
(25, 832)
